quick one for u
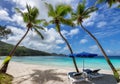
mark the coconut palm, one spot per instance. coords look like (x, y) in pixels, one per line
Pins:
(30, 18)
(58, 17)
(110, 2)
(83, 13)
(4, 32)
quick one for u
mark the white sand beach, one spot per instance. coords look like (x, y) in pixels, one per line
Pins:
(38, 74)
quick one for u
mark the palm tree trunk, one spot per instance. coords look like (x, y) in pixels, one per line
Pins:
(103, 52)
(3, 69)
(73, 58)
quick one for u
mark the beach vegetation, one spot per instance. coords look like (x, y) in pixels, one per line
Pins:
(58, 17)
(5, 78)
(5, 48)
(82, 13)
(30, 18)
(4, 32)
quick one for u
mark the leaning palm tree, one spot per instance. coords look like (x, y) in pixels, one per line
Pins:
(58, 17)
(30, 18)
(83, 13)
(4, 32)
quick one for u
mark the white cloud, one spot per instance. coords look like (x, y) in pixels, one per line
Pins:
(108, 51)
(17, 34)
(52, 38)
(101, 24)
(21, 4)
(112, 52)
(93, 48)
(90, 23)
(4, 15)
(33, 41)
(65, 50)
(73, 32)
(83, 41)
(16, 18)
(90, 20)
(40, 5)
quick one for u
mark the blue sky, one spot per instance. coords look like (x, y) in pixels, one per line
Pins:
(104, 24)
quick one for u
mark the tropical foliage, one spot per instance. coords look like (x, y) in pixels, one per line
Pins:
(30, 18)
(83, 13)
(5, 78)
(21, 51)
(109, 2)
(4, 32)
(58, 17)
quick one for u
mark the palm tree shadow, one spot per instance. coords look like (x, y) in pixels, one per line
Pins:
(40, 77)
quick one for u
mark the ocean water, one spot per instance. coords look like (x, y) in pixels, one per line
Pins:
(62, 61)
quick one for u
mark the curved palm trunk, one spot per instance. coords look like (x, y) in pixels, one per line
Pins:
(104, 53)
(3, 69)
(73, 58)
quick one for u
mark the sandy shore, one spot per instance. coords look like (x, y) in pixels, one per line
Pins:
(38, 74)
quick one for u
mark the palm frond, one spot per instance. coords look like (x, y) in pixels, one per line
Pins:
(118, 6)
(18, 10)
(38, 27)
(45, 23)
(80, 8)
(74, 16)
(38, 33)
(51, 11)
(110, 2)
(67, 22)
(37, 21)
(63, 9)
(34, 13)
(99, 1)
(28, 8)
(25, 17)
(51, 21)
(86, 16)
(89, 10)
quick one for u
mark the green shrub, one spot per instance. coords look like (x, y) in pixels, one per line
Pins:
(5, 78)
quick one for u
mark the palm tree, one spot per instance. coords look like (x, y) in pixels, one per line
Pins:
(58, 17)
(30, 18)
(4, 32)
(110, 2)
(83, 13)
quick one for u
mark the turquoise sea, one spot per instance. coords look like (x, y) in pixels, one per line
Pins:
(64, 61)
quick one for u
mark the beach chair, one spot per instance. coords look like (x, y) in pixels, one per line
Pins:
(93, 73)
(75, 77)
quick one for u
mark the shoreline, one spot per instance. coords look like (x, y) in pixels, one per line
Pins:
(25, 73)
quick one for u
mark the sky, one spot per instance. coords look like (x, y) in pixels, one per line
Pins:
(103, 24)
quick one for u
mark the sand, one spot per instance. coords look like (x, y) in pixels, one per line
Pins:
(38, 74)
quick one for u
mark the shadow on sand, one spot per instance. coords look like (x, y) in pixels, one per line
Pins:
(41, 77)
(106, 79)
(52, 77)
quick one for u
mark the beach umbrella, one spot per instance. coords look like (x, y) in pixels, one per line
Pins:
(83, 55)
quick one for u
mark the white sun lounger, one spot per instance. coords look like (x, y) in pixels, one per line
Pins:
(93, 73)
(75, 77)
